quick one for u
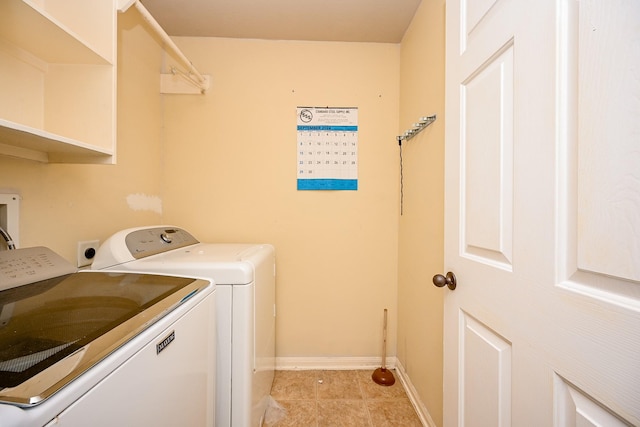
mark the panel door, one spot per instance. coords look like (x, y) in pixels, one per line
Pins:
(542, 213)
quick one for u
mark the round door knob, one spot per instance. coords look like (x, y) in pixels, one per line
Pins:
(449, 280)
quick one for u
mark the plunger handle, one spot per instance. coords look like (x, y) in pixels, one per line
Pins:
(384, 341)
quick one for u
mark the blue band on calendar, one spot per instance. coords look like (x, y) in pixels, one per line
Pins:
(327, 184)
(326, 127)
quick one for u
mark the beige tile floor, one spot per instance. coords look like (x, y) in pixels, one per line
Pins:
(337, 398)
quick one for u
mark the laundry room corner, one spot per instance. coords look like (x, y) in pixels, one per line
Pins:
(421, 230)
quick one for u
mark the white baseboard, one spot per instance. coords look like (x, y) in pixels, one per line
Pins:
(349, 363)
(334, 363)
(412, 393)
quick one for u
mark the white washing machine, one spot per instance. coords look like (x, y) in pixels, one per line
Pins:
(244, 275)
(102, 348)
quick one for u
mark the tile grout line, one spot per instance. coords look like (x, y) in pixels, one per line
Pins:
(317, 404)
(364, 399)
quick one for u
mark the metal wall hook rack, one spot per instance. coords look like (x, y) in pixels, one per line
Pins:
(407, 135)
(416, 129)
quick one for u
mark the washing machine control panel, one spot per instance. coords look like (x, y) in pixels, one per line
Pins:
(151, 241)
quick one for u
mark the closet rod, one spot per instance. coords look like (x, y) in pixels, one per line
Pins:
(200, 80)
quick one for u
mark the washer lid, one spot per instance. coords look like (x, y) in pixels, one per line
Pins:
(54, 330)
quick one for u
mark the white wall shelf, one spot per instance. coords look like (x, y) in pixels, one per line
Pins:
(21, 141)
(58, 80)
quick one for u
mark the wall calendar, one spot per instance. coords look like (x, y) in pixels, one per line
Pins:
(327, 148)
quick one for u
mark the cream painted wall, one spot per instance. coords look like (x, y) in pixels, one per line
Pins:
(421, 232)
(231, 176)
(62, 203)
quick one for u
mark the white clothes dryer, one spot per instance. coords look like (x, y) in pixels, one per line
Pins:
(244, 275)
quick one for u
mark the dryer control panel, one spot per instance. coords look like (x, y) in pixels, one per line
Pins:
(151, 241)
(135, 243)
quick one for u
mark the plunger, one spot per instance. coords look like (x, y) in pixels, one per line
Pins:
(383, 376)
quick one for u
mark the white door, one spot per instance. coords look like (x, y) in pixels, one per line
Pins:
(542, 213)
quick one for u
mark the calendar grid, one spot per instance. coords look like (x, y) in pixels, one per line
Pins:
(327, 148)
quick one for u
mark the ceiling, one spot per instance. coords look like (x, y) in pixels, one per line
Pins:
(380, 21)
